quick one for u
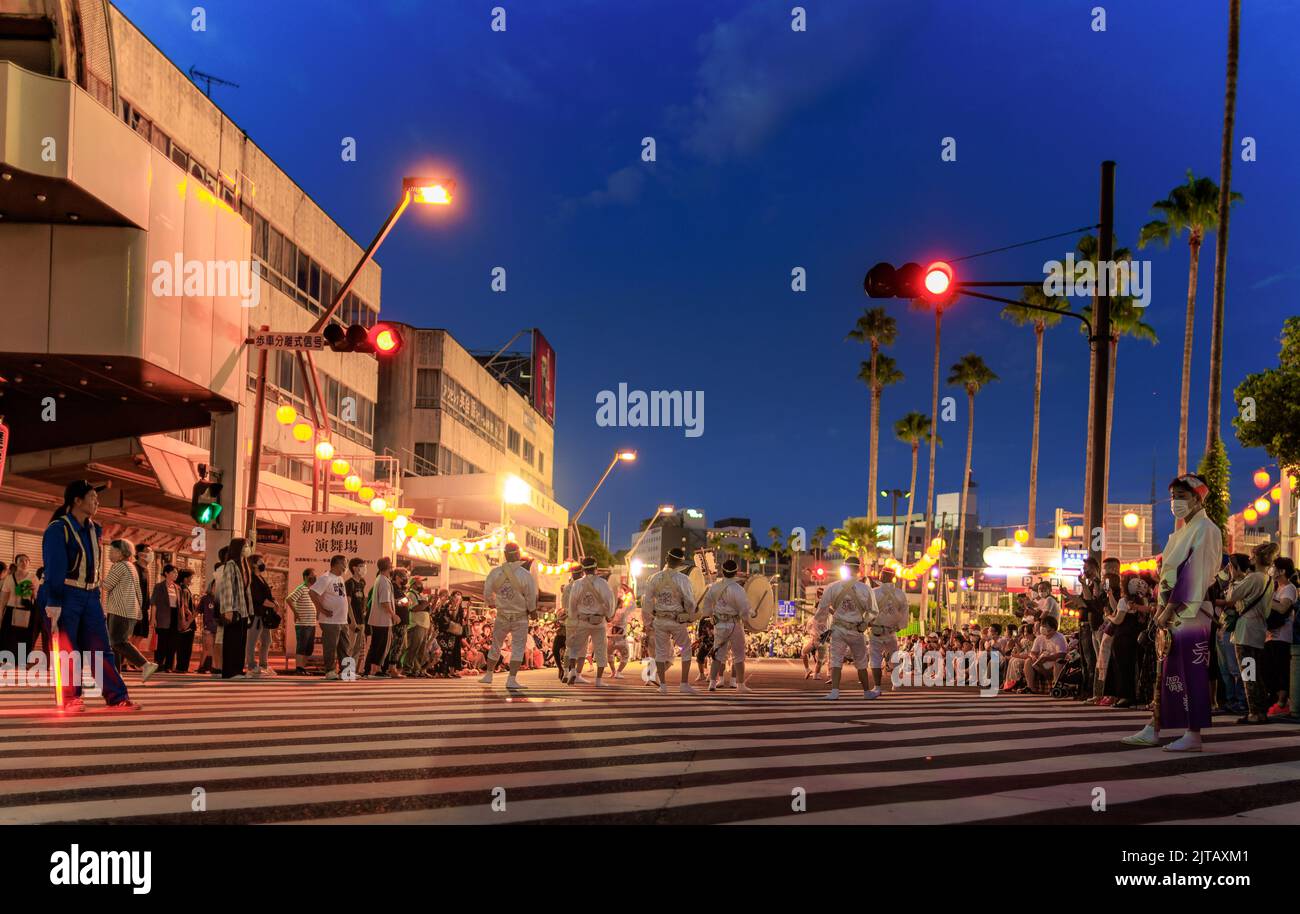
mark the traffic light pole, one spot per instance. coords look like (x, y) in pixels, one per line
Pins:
(259, 405)
(1101, 384)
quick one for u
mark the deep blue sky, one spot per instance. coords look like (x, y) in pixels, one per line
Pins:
(779, 149)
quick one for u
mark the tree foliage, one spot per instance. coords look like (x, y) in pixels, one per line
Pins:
(1268, 403)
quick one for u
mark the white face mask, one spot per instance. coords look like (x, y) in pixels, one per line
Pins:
(1180, 507)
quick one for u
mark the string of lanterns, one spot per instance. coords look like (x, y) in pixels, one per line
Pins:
(1260, 507)
(305, 431)
(920, 566)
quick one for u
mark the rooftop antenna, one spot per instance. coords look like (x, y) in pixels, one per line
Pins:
(208, 79)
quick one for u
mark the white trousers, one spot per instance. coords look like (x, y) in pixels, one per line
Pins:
(852, 644)
(517, 629)
(729, 638)
(882, 647)
(669, 632)
(585, 633)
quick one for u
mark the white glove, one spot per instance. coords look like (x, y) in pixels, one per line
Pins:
(53, 612)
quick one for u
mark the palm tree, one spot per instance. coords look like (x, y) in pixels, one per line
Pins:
(1215, 461)
(856, 537)
(876, 327)
(970, 373)
(1189, 208)
(1125, 320)
(1040, 320)
(777, 549)
(879, 376)
(924, 305)
(818, 540)
(912, 429)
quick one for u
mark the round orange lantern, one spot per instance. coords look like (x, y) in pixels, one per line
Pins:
(303, 432)
(1261, 479)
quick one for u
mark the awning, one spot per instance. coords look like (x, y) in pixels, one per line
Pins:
(176, 470)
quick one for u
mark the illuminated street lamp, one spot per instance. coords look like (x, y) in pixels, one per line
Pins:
(663, 511)
(626, 456)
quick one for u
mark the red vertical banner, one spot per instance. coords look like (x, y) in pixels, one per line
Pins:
(543, 377)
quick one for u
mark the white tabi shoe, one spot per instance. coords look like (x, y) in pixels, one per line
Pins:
(744, 689)
(1188, 742)
(832, 695)
(486, 679)
(148, 670)
(688, 689)
(663, 688)
(513, 685)
(871, 694)
(1144, 737)
(578, 678)
(602, 684)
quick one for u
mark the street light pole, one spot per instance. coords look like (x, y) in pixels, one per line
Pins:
(571, 532)
(895, 495)
(1101, 341)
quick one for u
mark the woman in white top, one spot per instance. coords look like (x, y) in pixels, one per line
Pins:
(122, 607)
(1277, 643)
(18, 605)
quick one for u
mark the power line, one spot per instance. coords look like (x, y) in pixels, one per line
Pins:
(1022, 244)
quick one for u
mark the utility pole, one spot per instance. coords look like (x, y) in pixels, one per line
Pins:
(1101, 344)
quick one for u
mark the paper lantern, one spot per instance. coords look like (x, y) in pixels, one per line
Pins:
(303, 432)
(1275, 493)
(1022, 536)
(286, 414)
(324, 450)
(1262, 506)
(1064, 531)
(340, 467)
(1262, 479)
(353, 483)
(365, 493)
(1250, 515)
(1130, 520)
(399, 520)
(378, 505)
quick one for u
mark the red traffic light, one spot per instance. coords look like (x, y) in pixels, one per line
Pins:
(821, 572)
(385, 339)
(938, 280)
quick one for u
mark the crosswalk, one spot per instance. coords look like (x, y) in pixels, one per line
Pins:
(300, 750)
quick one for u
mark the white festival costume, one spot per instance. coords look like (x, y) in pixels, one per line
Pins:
(511, 589)
(669, 603)
(851, 607)
(729, 605)
(618, 634)
(591, 603)
(894, 614)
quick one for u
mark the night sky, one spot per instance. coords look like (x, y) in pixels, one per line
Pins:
(778, 149)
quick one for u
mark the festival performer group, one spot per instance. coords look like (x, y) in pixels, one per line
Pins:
(853, 622)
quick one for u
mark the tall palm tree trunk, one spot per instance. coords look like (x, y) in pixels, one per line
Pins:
(1221, 240)
(965, 489)
(874, 438)
(911, 499)
(926, 589)
(1039, 332)
(1110, 423)
(1185, 393)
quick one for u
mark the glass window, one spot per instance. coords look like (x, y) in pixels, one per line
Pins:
(289, 262)
(313, 287)
(303, 278)
(512, 441)
(274, 244)
(541, 462)
(180, 157)
(528, 453)
(426, 388)
(259, 234)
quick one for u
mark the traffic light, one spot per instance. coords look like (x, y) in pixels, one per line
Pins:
(933, 283)
(382, 339)
(205, 497)
(820, 572)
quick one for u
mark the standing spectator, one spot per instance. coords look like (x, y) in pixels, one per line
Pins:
(1125, 623)
(329, 593)
(1234, 692)
(397, 631)
(259, 633)
(166, 606)
(235, 603)
(452, 627)
(1252, 596)
(356, 588)
(417, 635)
(183, 640)
(303, 608)
(1277, 644)
(18, 604)
(122, 602)
(207, 613)
(1091, 619)
(383, 614)
(140, 633)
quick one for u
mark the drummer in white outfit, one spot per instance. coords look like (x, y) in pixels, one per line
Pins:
(729, 605)
(513, 592)
(669, 605)
(618, 637)
(593, 602)
(570, 617)
(851, 607)
(894, 614)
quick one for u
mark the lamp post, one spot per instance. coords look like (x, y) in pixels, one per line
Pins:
(894, 494)
(663, 511)
(572, 533)
(419, 190)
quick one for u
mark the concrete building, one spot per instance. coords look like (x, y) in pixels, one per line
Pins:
(460, 432)
(736, 531)
(1128, 529)
(137, 259)
(685, 528)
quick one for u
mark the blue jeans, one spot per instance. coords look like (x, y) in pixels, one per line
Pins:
(1230, 673)
(83, 629)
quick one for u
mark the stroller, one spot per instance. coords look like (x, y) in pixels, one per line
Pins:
(1069, 678)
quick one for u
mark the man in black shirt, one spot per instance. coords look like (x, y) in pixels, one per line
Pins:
(355, 586)
(1094, 605)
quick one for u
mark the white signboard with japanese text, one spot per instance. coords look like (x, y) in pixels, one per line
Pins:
(315, 538)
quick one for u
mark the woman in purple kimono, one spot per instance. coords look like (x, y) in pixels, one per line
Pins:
(1191, 559)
